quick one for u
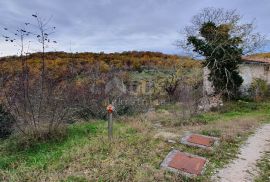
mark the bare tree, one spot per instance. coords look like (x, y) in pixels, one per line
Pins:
(251, 40)
(170, 84)
(38, 103)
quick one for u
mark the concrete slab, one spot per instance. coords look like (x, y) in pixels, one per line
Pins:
(201, 141)
(184, 163)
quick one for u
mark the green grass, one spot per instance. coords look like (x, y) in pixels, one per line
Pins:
(85, 148)
(236, 110)
(41, 154)
(86, 154)
(212, 132)
(264, 167)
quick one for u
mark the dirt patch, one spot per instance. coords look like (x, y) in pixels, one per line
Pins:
(166, 135)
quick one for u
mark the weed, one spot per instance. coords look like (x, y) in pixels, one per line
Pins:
(85, 153)
(211, 132)
(264, 166)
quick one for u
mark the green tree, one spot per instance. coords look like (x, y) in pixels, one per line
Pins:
(222, 54)
(220, 37)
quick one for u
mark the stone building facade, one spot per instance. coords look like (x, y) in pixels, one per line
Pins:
(249, 69)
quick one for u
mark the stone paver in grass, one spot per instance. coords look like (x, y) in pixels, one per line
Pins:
(201, 141)
(184, 163)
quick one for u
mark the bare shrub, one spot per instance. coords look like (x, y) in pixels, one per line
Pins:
(189, 93)
(38, 103)
(38, 114)
(92, 97)
(186, 84)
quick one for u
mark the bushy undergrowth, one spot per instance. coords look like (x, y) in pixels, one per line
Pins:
(21, 142)
(124, 106)
(211, 132)
(241, 106)
(85, 153)
(172, 114)
(131, 109)
(259, 89)
(90, 156)
(99, 112)
(6, 123)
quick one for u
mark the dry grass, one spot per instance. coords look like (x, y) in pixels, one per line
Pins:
(235, 127)
(134, 155)
(139, 123)
(229, 123)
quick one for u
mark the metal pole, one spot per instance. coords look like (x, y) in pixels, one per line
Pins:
(110, 126)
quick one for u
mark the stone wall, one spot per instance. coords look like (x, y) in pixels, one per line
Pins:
(251, 71)
(248, 71)
(208, 88)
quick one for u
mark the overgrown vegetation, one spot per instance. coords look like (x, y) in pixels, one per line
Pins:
(36, 100)
(222, 56)
(219, 36)
(53, 124)
(45, 91)
(264, 168)
(135, 155)
(259, 89)
(61, 62)
(6, 123)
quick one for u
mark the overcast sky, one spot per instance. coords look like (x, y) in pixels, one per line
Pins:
(121, 25)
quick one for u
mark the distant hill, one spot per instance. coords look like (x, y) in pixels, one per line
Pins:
(126, 60)
(80, 67)
(61, 63)
(260, 55)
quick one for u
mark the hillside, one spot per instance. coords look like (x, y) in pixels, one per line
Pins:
(126, 60)
(261, 55)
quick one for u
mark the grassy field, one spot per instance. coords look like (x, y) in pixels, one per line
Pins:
(137, 150)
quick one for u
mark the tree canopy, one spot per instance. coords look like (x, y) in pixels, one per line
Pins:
(222, 56)
(220, 37)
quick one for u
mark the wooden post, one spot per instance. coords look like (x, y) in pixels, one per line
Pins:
(110, 110)
(110, 126)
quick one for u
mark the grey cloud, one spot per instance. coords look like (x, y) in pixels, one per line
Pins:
(119, 25)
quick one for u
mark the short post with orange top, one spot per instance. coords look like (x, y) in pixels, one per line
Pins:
(110, 110)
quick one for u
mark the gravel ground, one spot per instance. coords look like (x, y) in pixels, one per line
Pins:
(243, 169)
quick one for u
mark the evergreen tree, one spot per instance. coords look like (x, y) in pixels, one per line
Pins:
(222, 56)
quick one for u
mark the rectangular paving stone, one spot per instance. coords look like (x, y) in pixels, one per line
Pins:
(201, 140)
(184, 163)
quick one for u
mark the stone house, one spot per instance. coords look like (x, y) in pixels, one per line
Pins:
(249, 69)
